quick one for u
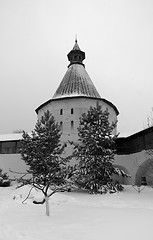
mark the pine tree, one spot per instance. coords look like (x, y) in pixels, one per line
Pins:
(42, 151)
(95, 152)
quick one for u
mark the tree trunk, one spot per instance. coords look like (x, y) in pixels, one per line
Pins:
(47, 205)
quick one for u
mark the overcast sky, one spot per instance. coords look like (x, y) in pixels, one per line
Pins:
(36, 35)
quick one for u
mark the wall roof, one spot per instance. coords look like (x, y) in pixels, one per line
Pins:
(136, 142)
(10, 137)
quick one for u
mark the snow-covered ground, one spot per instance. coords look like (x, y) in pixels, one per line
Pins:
(77, 216)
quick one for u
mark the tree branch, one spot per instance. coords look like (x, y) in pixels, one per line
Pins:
(28, 195)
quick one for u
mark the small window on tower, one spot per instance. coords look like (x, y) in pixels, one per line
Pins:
(61, 111)
(72, 125)
(61, 125)
(71, 110)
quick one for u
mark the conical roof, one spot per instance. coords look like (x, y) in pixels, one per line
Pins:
(76, 81)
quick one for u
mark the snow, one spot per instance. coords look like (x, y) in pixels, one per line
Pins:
(11, 137)
(76, 215)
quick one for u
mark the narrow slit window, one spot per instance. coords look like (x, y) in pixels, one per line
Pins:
(61, 125)
(61, 111)
(72, 125)
(71, 110)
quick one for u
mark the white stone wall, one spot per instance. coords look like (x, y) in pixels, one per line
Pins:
(79, 105)
(132, 162)
(13, 162)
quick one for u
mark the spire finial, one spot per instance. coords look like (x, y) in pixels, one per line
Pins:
(76, 56)
(76, 38)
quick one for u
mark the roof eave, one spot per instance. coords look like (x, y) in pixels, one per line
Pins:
(58, 99)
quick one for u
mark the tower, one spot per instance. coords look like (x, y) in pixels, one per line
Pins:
(74, 96)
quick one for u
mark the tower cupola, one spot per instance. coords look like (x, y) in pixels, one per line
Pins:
(76, 56)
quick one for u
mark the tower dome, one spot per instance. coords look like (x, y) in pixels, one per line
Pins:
(76, 81)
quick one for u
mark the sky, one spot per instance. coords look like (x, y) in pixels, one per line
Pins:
(36, 36)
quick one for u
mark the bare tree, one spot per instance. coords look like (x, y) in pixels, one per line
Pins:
(149, 124)
(150, 118)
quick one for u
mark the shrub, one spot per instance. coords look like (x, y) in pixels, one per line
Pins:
(4, 179)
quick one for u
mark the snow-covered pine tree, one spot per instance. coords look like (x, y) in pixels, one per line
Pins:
(95, 152)
(42, 151)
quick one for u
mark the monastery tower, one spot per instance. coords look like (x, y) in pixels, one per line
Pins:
(74, 96)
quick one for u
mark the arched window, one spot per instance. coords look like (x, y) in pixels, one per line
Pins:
(61, 111)
(71, 110)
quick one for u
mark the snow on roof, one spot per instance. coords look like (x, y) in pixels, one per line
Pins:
(10, 137)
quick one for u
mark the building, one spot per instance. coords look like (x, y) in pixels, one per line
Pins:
(74, 96)
(135, 157)
(10, 160)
